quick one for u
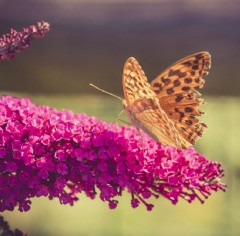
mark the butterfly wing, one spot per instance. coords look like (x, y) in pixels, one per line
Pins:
(142, 106)
(177, 90)
(147, 115)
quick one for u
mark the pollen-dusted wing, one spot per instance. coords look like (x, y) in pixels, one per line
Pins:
(166, 109)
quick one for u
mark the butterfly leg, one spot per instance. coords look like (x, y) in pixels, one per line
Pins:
(118, 119)
(119, 114)
(142, 139)
(123, 121)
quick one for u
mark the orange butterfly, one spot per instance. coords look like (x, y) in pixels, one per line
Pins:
(167, 108)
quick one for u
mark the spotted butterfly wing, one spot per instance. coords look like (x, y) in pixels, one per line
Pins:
(177, 91)
(142, 106)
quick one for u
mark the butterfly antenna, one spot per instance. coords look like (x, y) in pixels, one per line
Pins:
(94, 86)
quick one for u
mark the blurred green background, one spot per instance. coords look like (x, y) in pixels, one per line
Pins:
(88, 43)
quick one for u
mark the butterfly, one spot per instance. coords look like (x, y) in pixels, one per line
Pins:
(166, 108)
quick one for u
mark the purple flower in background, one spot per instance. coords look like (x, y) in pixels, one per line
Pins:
(15, 42)
(59, 154)
(6, 231)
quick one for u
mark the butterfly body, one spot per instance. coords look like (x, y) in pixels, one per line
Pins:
(167, 108)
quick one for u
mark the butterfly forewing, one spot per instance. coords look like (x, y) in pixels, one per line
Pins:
(177, 91)
(183, 76)
(135, 85)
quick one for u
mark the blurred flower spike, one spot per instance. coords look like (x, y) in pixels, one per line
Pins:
(15, 42)
(59, 154)
(6, 231)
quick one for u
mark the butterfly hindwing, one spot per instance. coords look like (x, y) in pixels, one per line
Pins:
(149, 117)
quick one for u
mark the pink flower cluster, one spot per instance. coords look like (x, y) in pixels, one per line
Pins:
(59, 154)
(15, 42)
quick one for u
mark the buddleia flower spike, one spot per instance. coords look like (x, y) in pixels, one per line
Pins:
(45, 152)
(15, 42)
